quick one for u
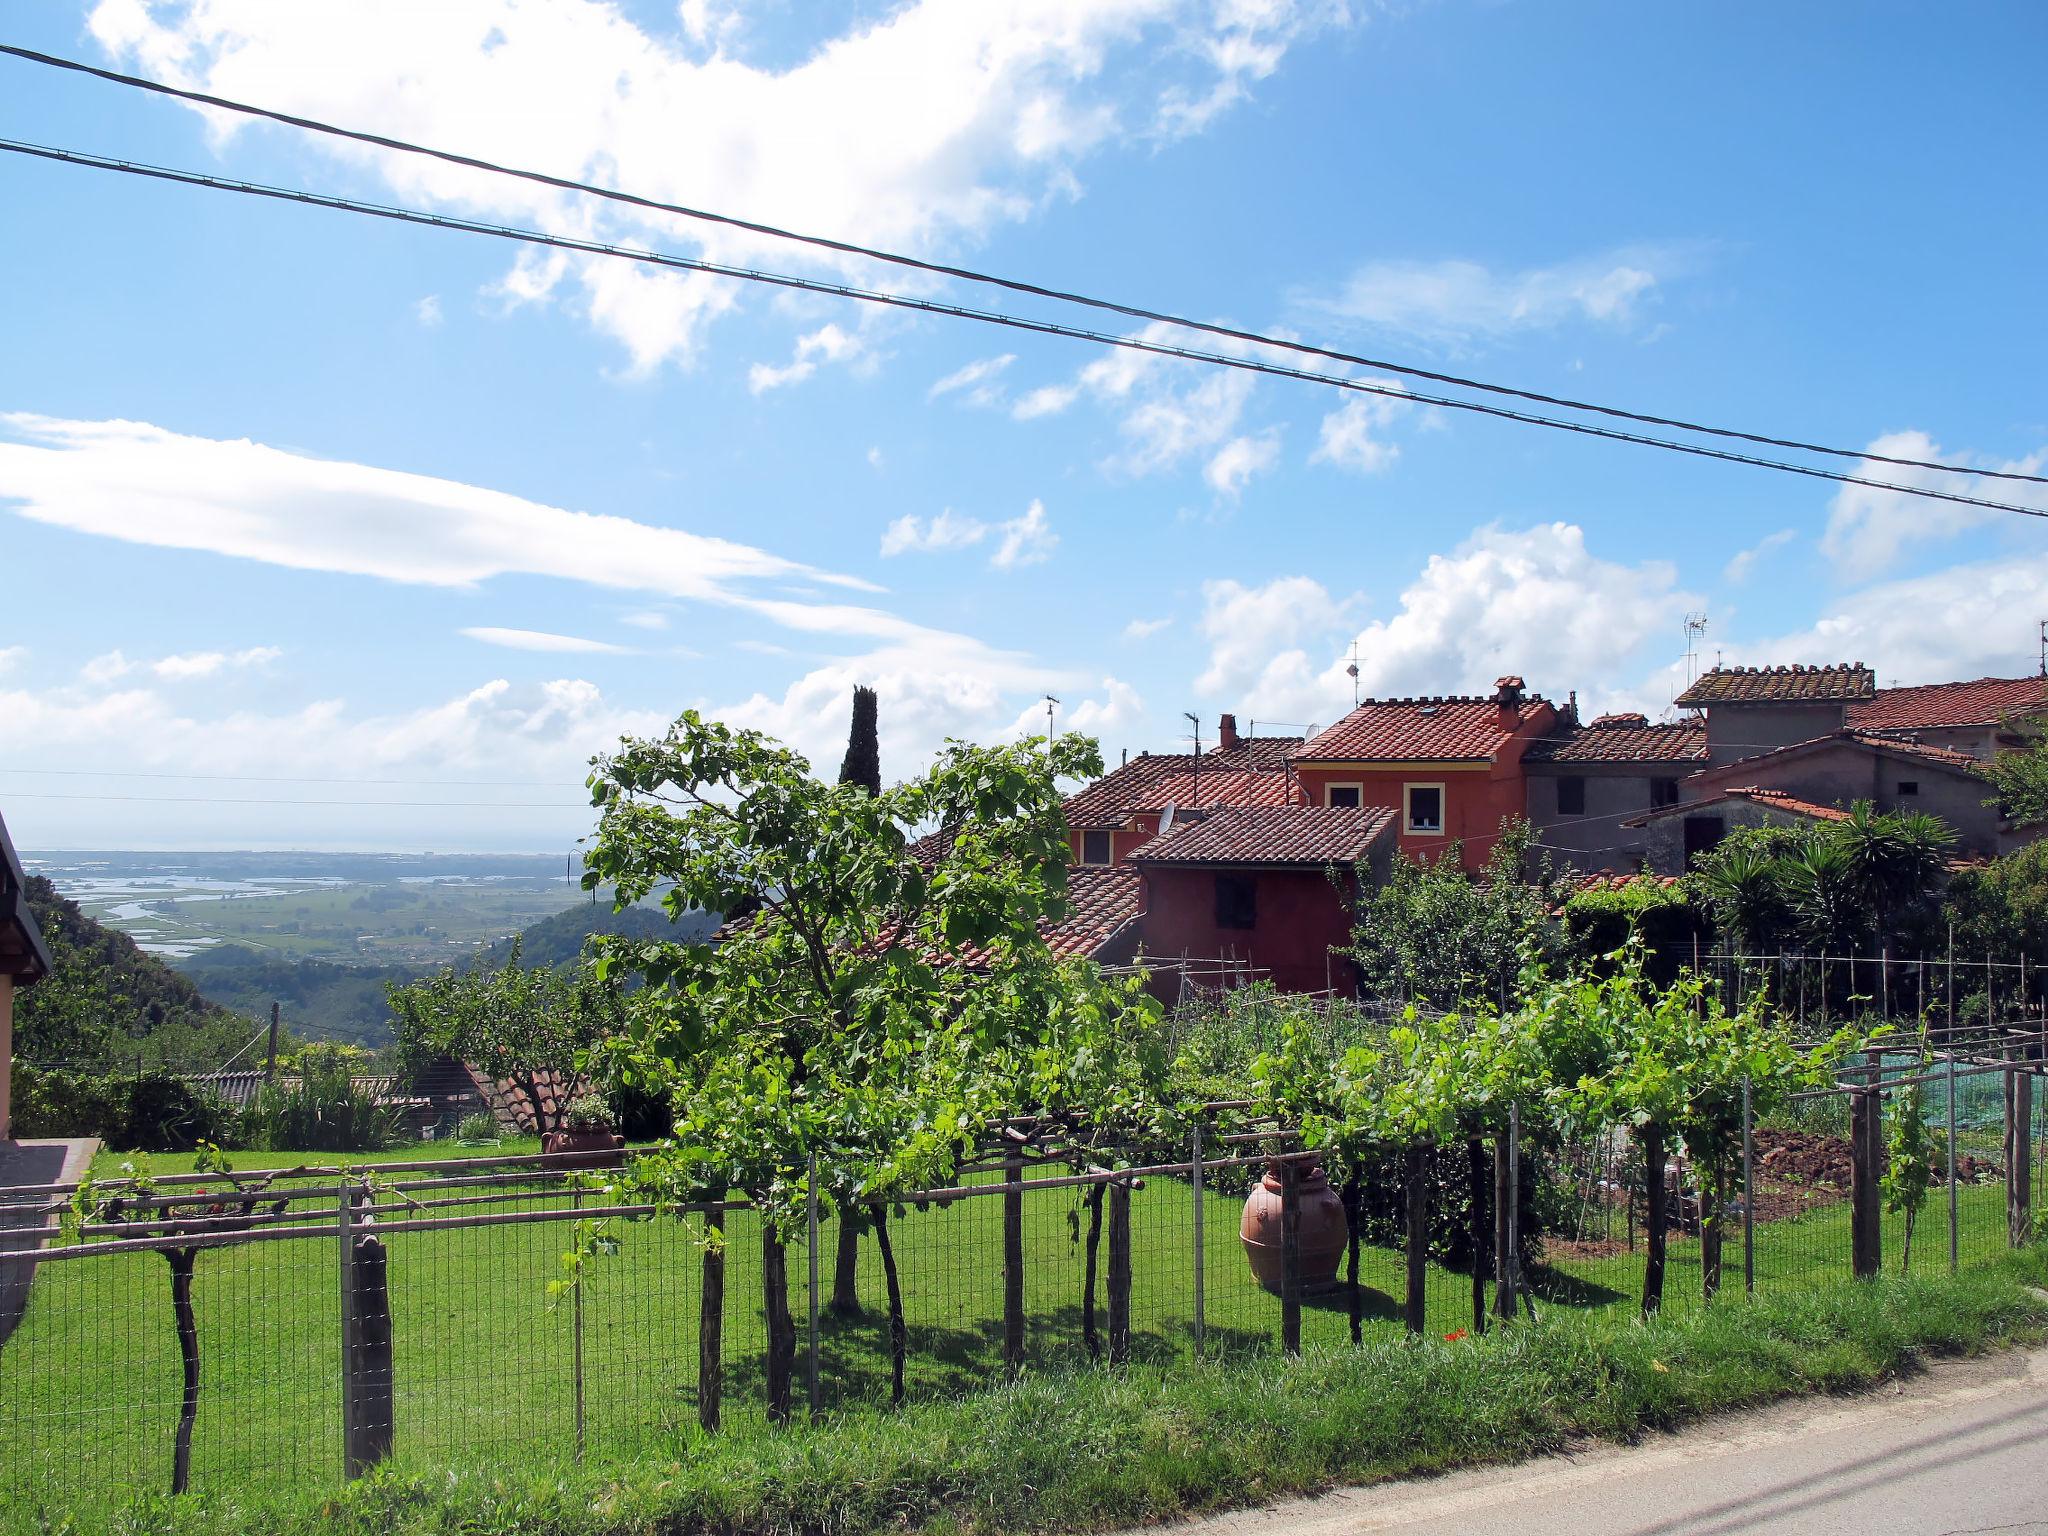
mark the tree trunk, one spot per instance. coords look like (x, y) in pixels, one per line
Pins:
(181, 1261)
(1290, 1257)
(711, 1324)
(1654, 1213)
(1119, 1273)
(846, 1268)
(1353, 1203)
(1416, 1200)
(899, 1330)
(1013, 1265)
(1476, 1179)
(1504, 1194)
(781, 1327)
(1094, 1247)
(1906, 1249)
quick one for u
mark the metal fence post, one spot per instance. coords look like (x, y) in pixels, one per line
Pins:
(576, 1327)
(1290, 1256)
(343, 1213)
(368, 1408)
(811, 1202)
(1748, 1194)
(1954, 1231)
(1195, 1178)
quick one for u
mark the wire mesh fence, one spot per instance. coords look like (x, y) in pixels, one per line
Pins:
(331, 1320)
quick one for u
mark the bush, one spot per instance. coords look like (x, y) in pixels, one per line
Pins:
(157, 1112)
(325, 1110)
(1598, 921)
(478, 1129)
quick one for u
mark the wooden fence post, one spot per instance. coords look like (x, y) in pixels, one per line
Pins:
(1119, 1272)
(1416, 1198)
(1013, 1263)
(1504, 1194)
(1865, 1133)
(1290, 1256)
(366, 1403)
(1195, 1180)
(711, 1319)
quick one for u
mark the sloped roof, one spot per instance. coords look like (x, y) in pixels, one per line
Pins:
(1623, 739)
(1439, 729)
(1775, 799)
(1838, 682)
(1104, 902)
(23, 954)
(1933, 706)
(1869, 741)
(1182, 780)
(1306, 835)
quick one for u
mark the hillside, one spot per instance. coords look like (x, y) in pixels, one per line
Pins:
(323, 1000)
(109, 1002)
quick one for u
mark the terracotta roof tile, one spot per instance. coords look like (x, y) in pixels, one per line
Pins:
(1624, 739)
(1932, 706)
(1842, 681)
(1776, 799)
(1307, 835)
(1456, 729)
(1153, 783)
(1104, 902)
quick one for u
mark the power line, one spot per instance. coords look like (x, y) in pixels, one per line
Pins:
(969, 274)
(963, 312)
(285, 778)
(439, 805)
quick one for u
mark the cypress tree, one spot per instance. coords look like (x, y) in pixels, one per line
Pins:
(862, 765)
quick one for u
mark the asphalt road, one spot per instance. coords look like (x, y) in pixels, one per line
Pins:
(1960, 1449)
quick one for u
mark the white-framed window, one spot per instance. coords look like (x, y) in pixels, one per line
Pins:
(1348, 796)
(1422, 810)
(1095, 847)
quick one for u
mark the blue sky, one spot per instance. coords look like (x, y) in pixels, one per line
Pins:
(298, 508)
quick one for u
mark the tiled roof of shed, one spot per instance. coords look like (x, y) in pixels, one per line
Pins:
(1308, 835)
(1775, 799)
(1931, 706)
(1104, 901)
(1624, 739)
(1841, 681)
(1874, 741)
(1453, 729)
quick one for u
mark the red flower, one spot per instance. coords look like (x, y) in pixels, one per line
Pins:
(1452, 1338)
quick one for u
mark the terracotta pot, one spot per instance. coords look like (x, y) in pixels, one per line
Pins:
(591, 1149)
(1324, 1231)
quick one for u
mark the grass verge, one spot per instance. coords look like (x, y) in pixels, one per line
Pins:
(1093, 1449)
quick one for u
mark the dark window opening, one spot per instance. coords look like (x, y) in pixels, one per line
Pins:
(1571, 796)
(1237, 902)
(1344, 795)
(1702, 834)
(1425, 808)
(1909, 786)
(1094, 847)
(1663, 791)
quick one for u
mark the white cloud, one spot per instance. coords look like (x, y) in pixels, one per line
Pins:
(1869, 529)
(1144, 629)
(1025, 540)
(1458, 303)
(827, 344)
(11, 656)
(428, 311)
(920, 130)
(1047, 400)
(1738, 569)
(875, 458)
(1258, 637)
(647, 619)
(1534, 602)
(1353, 436)
(1234, 464)
(114, 665)
(540, 640)
(976, 378)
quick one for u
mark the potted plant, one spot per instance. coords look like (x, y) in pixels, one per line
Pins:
(586, 1133)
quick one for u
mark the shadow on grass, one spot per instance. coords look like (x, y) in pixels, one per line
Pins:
(1563, 1289)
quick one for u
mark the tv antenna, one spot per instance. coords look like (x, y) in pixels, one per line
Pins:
(1195, 724)
(1352, 670)
(2044, 647)
(1695, 626)
(1051, 704)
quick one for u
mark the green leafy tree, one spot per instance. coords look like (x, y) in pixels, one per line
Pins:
(1439, 936)
(862, 765)
(2019, 778)
(871, 974)
(528, 1026)
(1909, 1161)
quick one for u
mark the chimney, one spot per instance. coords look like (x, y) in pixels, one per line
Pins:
(1507, 696)
(1226, 733)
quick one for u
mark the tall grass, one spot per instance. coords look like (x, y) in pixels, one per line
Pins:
(1090, 1449)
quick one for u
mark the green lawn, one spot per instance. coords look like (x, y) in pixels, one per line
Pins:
(89, 1384)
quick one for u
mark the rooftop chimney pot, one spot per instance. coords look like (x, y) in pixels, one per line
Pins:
(1226, 733)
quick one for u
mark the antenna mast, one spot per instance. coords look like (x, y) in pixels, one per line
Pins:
(1695, 625)
(1352, 670)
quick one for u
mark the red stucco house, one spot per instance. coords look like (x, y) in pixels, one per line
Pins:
(1447, 768)
(1122, 810)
